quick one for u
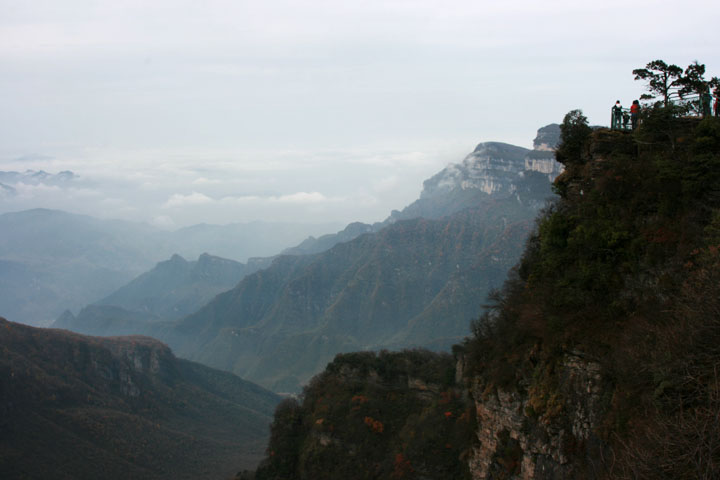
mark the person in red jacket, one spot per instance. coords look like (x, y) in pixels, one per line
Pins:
(634, 113)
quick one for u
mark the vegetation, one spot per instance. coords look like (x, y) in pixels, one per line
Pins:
(624, 268)
(667, 81)
(662, 79)
(89, 407)
(384, 415)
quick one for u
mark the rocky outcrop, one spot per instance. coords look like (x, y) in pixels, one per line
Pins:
(498, 168)
(547, 138)
(535, 432)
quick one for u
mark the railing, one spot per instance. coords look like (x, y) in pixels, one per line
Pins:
(623, 121)
(690, 104)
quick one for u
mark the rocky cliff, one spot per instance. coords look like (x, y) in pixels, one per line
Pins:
(540, 429)
(493, 170)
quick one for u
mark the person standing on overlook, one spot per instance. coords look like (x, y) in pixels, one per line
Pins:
(706, 101)
(616, 120)
(634, 113)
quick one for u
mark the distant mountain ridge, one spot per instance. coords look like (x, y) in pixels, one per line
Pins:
(32, 177)
(116, 408)
(177, 287)
(52, 261)
(173, 289)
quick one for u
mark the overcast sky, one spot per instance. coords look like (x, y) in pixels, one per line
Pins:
(179, 112)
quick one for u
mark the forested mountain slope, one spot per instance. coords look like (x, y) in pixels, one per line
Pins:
(123, 407)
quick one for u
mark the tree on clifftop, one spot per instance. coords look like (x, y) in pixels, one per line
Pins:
(574, 132)
(662, 79)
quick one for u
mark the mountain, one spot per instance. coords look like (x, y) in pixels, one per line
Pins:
(413, 282)
(36, 177)
(281, 325)
(173, 289)
(493, 168)
(597, 359)
(123, 407)
(52, 261)
(176, 287)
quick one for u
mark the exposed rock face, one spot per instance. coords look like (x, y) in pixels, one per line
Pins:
(495, 168)
(534, 433)
(547, 138)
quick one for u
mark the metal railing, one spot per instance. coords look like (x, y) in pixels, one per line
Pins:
(621, 121)
(689, 104)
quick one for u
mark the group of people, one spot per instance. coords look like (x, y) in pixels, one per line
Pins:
(621, 117)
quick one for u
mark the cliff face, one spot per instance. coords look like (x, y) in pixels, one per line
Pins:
(492, 171)
(493, 168)
(537, 432)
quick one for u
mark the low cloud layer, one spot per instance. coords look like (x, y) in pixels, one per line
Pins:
(174, 189)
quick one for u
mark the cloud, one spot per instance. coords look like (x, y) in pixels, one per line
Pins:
(25, 190)
(179, 200)
(206, 181)
(301, 198)
(298, 198)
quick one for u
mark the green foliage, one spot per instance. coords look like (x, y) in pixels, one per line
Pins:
(693, 81)
(384, 415)
(574, 132)
(123, 407)
(623, 268)
(662, 79)
(286, 435)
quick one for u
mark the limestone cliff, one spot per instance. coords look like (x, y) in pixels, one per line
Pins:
(534, 431)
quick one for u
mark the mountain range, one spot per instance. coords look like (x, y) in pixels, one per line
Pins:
(52, 261)
(416, 279)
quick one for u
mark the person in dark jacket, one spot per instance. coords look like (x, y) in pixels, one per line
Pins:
(616, 117)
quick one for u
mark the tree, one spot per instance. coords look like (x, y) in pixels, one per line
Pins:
(694, 80)
(662, 79)
(574, 131)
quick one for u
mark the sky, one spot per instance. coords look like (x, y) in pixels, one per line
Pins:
(180, 112)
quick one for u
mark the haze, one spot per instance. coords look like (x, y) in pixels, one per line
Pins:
(227, 111)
